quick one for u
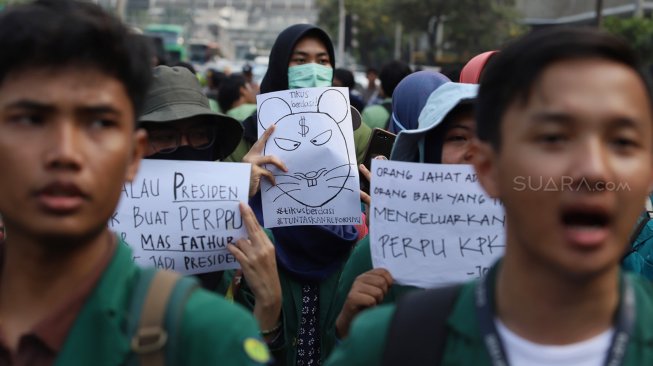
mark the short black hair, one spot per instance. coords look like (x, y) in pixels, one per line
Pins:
(511, 75)
(229, 91)
(391, 74)
(214, 78)
(345, 76)
(67, 33)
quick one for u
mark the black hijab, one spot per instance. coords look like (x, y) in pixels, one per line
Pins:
(276, 77)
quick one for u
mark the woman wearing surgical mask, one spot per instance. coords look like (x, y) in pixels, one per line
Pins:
(309, 258)
(301, 57)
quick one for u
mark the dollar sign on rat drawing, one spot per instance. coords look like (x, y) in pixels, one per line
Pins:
(303, 127)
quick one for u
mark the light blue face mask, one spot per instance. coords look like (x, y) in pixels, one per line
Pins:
(309, 75)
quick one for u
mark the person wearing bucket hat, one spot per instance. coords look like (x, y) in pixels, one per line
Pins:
(444, 133)
(448, 112)
(568, 105)
(180, 123)
(181, 126)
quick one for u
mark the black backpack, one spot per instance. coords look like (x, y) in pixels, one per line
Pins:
(417, 332)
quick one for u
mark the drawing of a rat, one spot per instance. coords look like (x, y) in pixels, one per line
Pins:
(313, 147)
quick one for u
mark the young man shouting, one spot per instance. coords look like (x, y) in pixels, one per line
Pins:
(569, 108)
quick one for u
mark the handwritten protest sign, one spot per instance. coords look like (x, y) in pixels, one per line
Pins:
(432, 224)
(180, 215)
(314, 138)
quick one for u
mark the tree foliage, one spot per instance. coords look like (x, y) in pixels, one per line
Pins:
(475, 26)
(375, 27)
(469, 26)
(638, 32)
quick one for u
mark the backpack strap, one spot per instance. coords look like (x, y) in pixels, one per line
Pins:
(418, 328)
(156, 312)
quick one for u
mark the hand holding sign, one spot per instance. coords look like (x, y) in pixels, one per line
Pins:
(432, 224)
(313, 136)
(257, 259)
(255, 157)
(369, 289)
(180, 215)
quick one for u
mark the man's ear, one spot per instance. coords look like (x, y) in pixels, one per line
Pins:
(140, 146)
(485, 164)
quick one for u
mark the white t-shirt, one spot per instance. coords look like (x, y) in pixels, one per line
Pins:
(522, 352)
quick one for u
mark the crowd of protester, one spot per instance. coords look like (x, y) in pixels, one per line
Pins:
(81, 106)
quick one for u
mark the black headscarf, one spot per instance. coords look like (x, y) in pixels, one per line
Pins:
(276, 78)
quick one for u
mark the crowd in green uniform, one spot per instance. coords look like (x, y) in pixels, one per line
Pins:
(81, 105)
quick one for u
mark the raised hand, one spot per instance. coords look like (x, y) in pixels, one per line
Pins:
(369, 289)
(254, 156)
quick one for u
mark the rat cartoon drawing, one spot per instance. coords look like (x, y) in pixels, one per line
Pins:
(313, 147)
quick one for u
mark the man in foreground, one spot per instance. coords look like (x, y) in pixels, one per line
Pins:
(72, 81)
(570, 107)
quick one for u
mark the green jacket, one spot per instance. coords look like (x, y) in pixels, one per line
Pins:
(360, 262)
(639, 258)
(464, 346)
(242, 111)
(285, 350)
(214, 332)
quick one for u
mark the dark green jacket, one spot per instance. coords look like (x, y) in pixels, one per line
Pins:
(360, 262)
(285, 350)
(639, 258)
(464, 346)
(213, 331)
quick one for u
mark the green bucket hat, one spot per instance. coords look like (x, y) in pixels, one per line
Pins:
(176, 94)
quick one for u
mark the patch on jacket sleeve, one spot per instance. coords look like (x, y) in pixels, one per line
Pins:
(256, 350)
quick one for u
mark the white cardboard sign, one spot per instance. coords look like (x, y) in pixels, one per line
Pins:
(313, 136)
(180, 215)
(433, 224)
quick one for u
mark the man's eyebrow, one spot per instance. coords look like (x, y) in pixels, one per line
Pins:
(30, 104)
(564, 118)
(100, 109)
(460, 125)
(45, 107)
(624, 122)
(553, 118)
